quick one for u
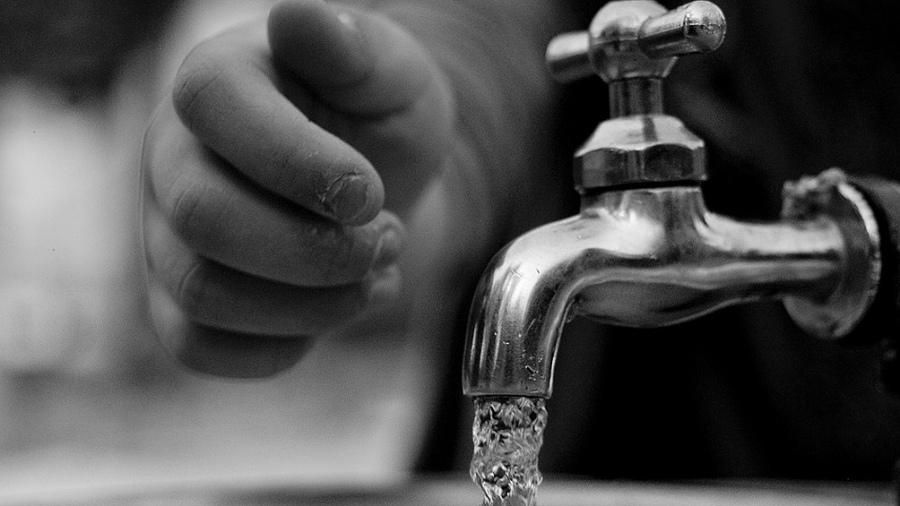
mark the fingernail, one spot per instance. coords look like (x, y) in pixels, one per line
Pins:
(359, 57)
(385, 288)
(349, 23)
(348, 200)
(388, 249)
(347, 20)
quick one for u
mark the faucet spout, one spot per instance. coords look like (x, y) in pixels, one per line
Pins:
(644, 257)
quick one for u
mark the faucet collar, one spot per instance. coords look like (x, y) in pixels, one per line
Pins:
(640, 149)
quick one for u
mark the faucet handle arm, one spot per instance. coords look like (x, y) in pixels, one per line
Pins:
(697, 27)
(567, 57)
(637, 30)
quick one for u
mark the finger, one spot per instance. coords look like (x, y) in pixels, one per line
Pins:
(225, 92)
(384, 93)
(356, 61)
(220, 352)
(225, 218)
(214, 295)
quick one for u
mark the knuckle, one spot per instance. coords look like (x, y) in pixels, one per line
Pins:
(155, 145)
(186, 212)
(192, 294)
(197, 78)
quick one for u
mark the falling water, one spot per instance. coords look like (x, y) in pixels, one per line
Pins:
(507, 434)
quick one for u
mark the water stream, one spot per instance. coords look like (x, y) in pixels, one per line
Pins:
(507, 435)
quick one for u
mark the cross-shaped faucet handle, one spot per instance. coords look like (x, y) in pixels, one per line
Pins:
(636, 38)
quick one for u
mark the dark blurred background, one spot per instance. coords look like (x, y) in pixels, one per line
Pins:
(77, 45)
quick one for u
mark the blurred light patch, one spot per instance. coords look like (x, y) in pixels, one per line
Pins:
(64, 236)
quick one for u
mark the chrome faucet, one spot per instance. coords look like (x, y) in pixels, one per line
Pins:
(644, 251)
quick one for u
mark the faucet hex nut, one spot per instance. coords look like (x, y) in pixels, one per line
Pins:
(639, 149)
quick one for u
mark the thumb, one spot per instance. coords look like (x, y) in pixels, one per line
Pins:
(376, 77)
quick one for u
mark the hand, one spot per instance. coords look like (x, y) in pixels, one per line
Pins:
(275, 181)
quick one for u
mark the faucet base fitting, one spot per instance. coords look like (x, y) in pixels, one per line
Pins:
(830, 194)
